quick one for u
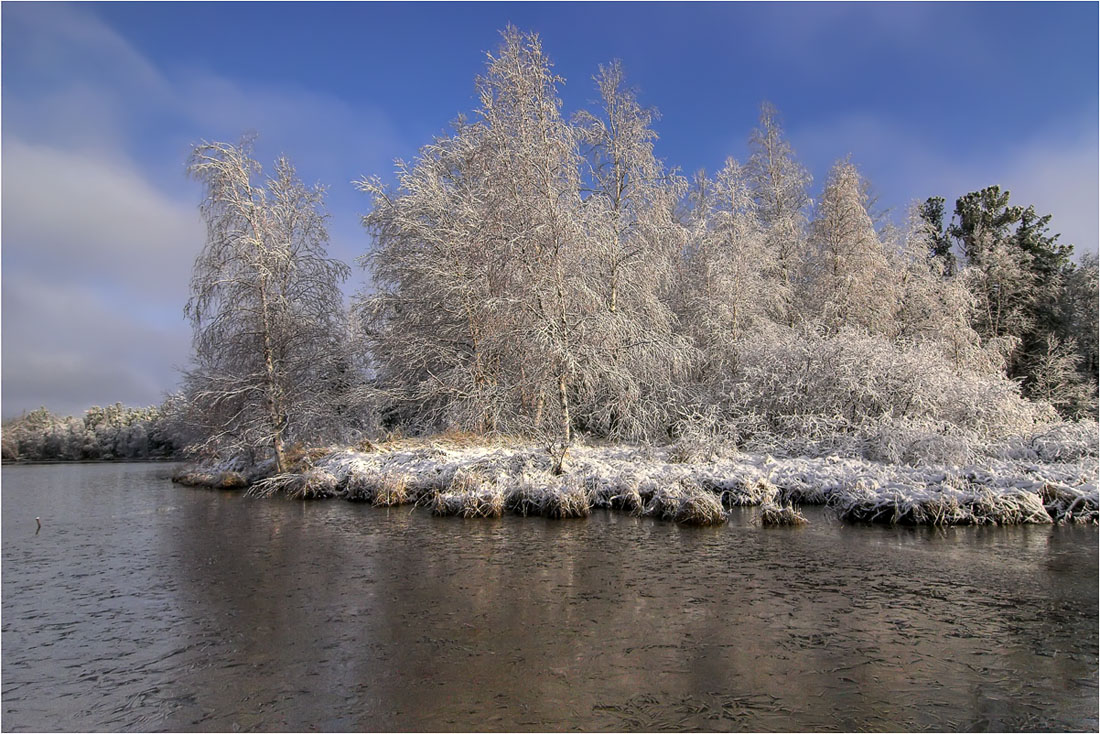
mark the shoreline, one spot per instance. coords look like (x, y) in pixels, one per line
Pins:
(491, 479)
(43, 462)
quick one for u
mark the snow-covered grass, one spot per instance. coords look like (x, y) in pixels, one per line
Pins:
(686, 502)
(312, 483)
(483, 502)
(1049, 476)
(232, 474)
(1079, 504)
(941, 505)
(563, 498)
(778, 515)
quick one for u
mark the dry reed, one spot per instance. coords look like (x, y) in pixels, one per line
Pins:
(775, 515)
(391, 491)
(1071, 505)
(687, 503)
(941, 505)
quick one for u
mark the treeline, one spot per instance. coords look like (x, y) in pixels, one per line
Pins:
(102, 434)
(538, 275)
(545, 276)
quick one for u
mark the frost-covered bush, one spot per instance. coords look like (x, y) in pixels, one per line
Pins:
(806, 388)
(1066, 441)
(917, 444)
(702, 436)
(1048, 443)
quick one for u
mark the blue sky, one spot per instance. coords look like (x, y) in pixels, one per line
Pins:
(101, 103)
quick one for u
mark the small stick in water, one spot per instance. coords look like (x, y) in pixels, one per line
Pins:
(39, 521)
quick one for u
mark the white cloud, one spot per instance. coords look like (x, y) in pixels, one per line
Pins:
(85, 216)
(66, 41)
(67, 347)
(81, 116)
(96, 263)
(100, 227)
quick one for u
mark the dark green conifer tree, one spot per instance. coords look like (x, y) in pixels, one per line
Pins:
(995, 238)
(931, 211)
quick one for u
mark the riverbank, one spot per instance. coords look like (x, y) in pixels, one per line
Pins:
(1031, 481)
(45, 462)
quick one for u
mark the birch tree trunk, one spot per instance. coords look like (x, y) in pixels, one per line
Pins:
(266, 309)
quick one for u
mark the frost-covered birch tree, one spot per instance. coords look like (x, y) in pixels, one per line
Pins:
(1000, 281)
(779, 184)
(847, 273)
(1055, 379)
(538, 232)
(633, 243)
(480, 258)
(432, 323)
(537, 277)
(265, 305)
(732, 272)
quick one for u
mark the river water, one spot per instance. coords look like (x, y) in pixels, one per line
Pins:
(142, 605)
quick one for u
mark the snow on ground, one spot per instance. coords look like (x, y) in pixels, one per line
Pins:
(1041, 479)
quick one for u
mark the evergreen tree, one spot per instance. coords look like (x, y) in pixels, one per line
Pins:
(982, 219)
(1019, 275)
(939, 242)
(1080, 308)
